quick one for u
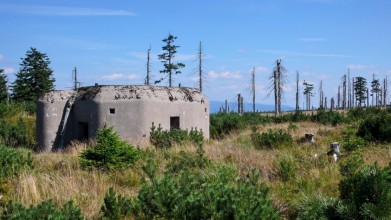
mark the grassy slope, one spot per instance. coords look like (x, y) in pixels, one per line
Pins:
(58, 175)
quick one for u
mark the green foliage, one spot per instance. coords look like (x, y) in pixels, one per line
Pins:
(34, 77)
(165, 139)
(116, 206)
(3, 86)
(215, 194)
(13, 135)
(17, 127)
(110, 152)
(367, 193)
(14, 160)
(376, 127)
(45, 210)
(185, 161)
(322, 208)
(292, 127)
(351, 165)
(357, 114)
(223, 124)
(286, 168)
(351, 143)
(251, 118)
(271, 139)
(167, 58)
(6, 190)
(360, 90)
(328, 117)
(350, 140)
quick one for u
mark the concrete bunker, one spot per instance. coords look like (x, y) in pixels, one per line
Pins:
(63, 116)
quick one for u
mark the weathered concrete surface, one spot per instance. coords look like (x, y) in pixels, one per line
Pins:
(131, 110)
(50, 109)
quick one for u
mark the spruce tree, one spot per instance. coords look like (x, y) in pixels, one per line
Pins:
(34, 78)
(167, 59)
(3, 86)
(360, 90)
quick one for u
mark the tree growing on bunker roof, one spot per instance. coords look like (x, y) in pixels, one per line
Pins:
(169, 51)
(34, 78)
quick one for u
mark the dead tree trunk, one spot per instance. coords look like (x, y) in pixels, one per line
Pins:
(297, 90)
(344, 92)
(200, 66)
(253, 88)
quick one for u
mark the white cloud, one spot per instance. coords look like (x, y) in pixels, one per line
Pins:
(119, 76)
(1, 57)
(224, 75)
(360, 67)
(63, 11)
(9, 70)
(194, 79)
(261, 70)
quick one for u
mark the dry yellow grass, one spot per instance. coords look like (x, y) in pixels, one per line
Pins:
(58, 176)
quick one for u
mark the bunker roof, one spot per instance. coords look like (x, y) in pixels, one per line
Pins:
(129, 92)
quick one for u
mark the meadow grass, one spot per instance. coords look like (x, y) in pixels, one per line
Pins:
(294, 172)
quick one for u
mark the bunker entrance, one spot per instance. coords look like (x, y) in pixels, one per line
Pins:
(83, 131)
(174, 123)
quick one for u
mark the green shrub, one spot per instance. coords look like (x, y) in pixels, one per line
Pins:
(321, 208)
(14, 160)
(376, 128)
(13, 135)
(116, 206)
(357, 114)
(351, 165)
(165, 139)
(223, 124)
(328, 117)
(250, 118)
(214, 194)
(286, 168)
(110, 152)
(45, 210)
(292, 127)
(271, 139)
(185, 160)
(367, 193)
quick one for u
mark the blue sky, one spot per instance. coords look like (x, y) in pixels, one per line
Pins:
(108, 41)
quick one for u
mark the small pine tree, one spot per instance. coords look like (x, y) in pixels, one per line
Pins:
(110, 152)
(360, 90)
(34, 78)
(167, 59)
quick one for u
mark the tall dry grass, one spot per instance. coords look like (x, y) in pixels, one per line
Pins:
(58, 176)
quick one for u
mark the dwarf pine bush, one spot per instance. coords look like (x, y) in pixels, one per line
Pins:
(45, 210)
(116, 206)
(367, 193)
(110, 152)
(270, 139)
(376, 127)
(14, 160)
(223, 124)
(165, 139)
(217, 193)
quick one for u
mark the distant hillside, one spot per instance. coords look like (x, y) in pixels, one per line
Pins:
(215, 107)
